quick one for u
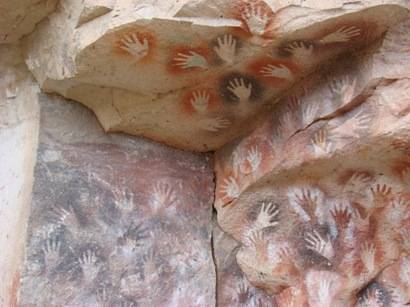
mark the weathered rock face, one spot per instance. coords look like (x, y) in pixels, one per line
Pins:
(19, 17)
(318, 195)
(193, 74)
(18, 141)
(115, 221)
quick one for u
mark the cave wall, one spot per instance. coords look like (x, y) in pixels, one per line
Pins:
(301, 199)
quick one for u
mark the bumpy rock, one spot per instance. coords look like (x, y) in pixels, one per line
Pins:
(194, 74)
(115, 221)
(19, 17)
(318, 194)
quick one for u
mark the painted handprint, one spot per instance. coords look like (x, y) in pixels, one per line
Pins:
(320, 142)
(361, 221)
(372, 297)
(124, 200)
(135, 46)
(51, 250)
(241, 89)
(213, 124)
(323, 293)
(300, 50)
(133, 286)
(342, 35)
(309, 198)
(398, 211)
(343, 89)
(315, 242)
(163, 196)
(256, 240)
(67, 217)
(256, 17)
(357, 182)
(341, 214)
(254, 158)
(89, 265)
(380, 194)
(280, 71)
(367, 256)
(200, 101)
(128, 247)
(226, 48)
(242, 294)
(353, 127)
(190, 59)
(230, 188)
(268, 215)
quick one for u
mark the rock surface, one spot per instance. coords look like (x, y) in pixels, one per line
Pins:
(115, 221)
(194, 74)
(305, 102)
(19, 17)
(18, 141)
(318, 195)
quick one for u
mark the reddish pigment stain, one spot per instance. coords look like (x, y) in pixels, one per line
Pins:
(257, 9)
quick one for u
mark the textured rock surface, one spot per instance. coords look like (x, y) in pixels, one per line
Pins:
(233, 289)
(18, 140)
(318, 195)
(193, 74)
(19, 17)
(115, 221)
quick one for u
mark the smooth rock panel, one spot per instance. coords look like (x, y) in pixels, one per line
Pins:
(115, 220)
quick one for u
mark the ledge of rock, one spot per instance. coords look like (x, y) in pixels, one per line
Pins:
(194, 74)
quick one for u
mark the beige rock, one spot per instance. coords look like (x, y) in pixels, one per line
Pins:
(19, 17)
(18, 142)
(193, 74)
